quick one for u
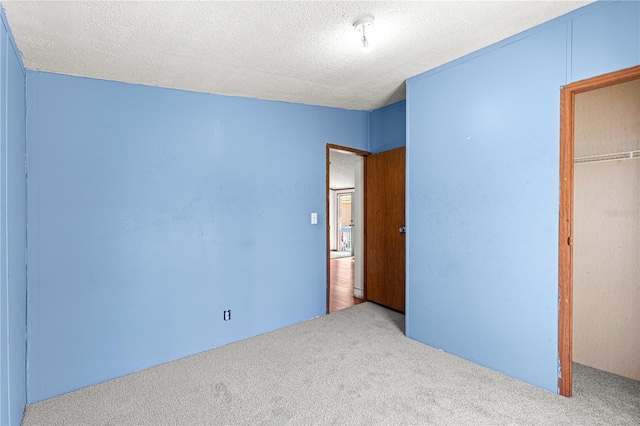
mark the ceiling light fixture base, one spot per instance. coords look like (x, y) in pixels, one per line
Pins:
(361, 25)
(365, 21)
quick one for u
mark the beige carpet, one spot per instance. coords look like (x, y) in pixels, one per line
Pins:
(351, 367)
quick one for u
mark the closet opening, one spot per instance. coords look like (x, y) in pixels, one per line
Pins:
(599, 226)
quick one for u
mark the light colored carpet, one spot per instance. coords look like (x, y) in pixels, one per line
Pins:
(351, 367)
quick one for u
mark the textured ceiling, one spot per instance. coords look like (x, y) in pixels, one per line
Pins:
(306, 52)
(342, 170)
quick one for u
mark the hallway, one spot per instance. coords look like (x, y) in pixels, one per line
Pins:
(341, 290)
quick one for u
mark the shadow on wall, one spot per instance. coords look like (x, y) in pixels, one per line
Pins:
(398, 95)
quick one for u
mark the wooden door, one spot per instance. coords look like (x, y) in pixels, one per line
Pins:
(384, 228)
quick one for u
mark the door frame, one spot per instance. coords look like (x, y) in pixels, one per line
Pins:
(338, 194)
(565, 238)
(328, 231)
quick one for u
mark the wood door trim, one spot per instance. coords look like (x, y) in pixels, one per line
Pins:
(328, 231)
(565, 239)
(347, 150)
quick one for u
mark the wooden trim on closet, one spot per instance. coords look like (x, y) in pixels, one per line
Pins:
(565, 240)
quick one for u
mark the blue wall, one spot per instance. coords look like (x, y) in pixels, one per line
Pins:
(387, 127)
(151, 211)
(13, 230)
(483, 189)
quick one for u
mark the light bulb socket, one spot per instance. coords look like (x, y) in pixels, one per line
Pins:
(361, 25)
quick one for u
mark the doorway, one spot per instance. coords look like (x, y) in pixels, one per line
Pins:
(567, 204)
(345, 227)
(344, 223)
